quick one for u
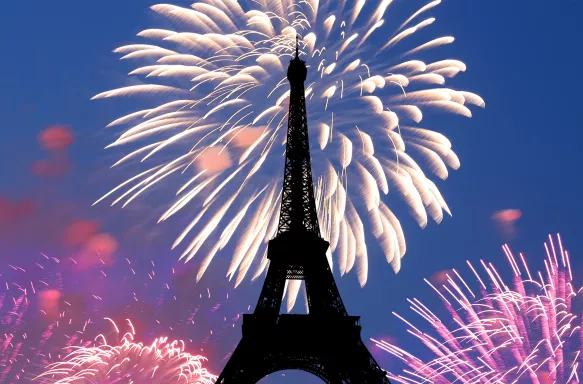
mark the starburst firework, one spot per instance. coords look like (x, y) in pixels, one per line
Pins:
(159, 363)
(526, 331)
(220, 128)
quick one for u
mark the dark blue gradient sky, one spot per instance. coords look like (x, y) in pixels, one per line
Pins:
(522, 151)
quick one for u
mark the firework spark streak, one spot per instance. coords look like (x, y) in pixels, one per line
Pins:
(221, 76)
(160, 362)
(524, 331)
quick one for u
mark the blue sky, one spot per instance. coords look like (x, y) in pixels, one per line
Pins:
(521, 152)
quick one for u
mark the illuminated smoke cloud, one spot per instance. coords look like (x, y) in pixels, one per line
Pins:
(246, 137)
(214, 160)
(98, 250)
(49, 303)
(51, 168)
(78, 232)
(505, 221)
(11, 211)
(56, 138)
(440, 277)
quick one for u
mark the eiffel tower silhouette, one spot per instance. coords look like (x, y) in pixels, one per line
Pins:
(326, 342)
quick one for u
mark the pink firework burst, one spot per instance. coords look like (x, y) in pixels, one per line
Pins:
(162, 361)
(48, 306)
(519, 331)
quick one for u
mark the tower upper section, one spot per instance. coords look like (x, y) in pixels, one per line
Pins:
(298, 206)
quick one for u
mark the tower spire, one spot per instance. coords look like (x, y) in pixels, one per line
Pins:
(297, 46)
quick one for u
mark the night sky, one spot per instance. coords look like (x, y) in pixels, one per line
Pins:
(521, 152)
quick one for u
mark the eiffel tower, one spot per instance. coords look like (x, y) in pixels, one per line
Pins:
(326, 342)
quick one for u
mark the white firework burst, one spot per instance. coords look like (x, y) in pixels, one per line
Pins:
(219, 127)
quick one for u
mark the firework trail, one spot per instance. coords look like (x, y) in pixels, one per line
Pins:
(160, 362)
(33, 296)
(219, 129)
(525, 331)
(50, 306)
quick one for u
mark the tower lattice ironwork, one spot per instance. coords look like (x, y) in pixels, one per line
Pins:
(326, 342)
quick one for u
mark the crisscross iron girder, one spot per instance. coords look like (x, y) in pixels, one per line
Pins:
(298, 206)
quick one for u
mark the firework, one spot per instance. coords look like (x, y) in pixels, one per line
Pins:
(31, 319)
(217, 137)
(160, 362)
(50, 306)
(523, 331)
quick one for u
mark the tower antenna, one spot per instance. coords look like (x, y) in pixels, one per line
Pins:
(297, 46)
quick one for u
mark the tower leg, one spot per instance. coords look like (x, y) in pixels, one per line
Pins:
(234, 371)
(271, 295)
(340, 362)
